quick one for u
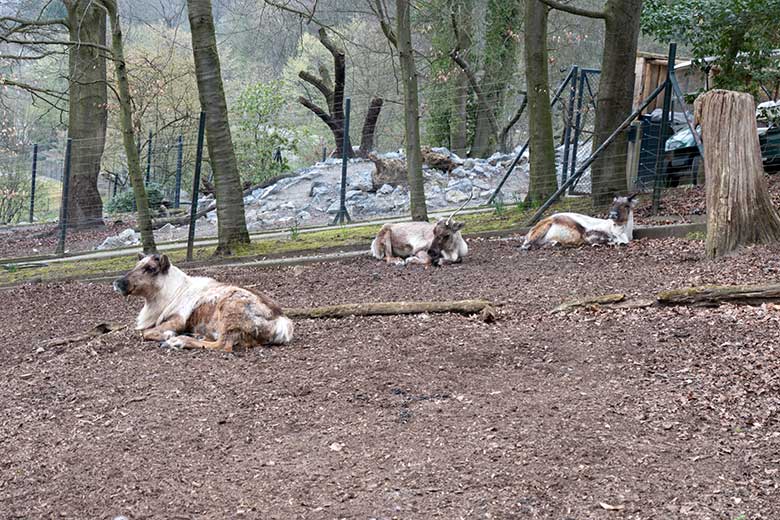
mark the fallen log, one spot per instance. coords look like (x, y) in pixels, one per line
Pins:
(97, 330)
(714, 295)
(485, 308)
(590, 301)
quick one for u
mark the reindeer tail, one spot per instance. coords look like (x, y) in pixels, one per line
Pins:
(283, 330)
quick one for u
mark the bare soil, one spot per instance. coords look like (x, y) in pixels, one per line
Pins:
(658, 413)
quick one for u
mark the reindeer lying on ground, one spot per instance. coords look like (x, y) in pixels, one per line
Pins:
(222, 316)
(574, 229)
(421, 242)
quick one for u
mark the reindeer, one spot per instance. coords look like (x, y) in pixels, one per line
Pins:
(421, 242)
(223, 316)
(574, 229)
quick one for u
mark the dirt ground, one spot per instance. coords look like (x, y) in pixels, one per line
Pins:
(657, 413)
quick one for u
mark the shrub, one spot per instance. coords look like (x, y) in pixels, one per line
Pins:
(125, 202)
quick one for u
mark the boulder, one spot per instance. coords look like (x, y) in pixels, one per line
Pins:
(128, 237)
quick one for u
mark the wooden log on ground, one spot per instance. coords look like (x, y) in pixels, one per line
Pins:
(605, 299)
(739, 210)
(97, 330)
(388, 308)
(714, 295)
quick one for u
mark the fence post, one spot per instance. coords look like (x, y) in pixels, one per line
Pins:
(179, 158)
(324, 153)
(196, 186)
(64, 204)
(578, 123)
(343, 215)
(32, 182)
(660, 167)
(149, 158)
(567, 131)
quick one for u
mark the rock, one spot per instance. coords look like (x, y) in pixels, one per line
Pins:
(257, 225)
(386, 189)
(319, 188)
(478, 168)
(479, 183)
(128, 237)
(351, 194)
(468, 164)
(387, 171)
(456, 196)
(460, 172)
(303, 215)
(361, 181)
(334, 207)
(458, 190)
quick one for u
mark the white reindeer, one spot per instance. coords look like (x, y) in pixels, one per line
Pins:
(574, 229)
(421, 242)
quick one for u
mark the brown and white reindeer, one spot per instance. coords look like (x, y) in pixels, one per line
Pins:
(574, 229)
(422, 242)
(219, 316)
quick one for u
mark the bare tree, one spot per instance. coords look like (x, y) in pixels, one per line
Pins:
(411, 112)
(543, 181)
(230, 201)
(333, 92)
(616, 88)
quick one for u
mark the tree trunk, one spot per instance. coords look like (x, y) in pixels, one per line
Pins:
(128, 136)
(485, 138)
(503, 137)
(459, 114)
(411, 112)
(543, 181)
(231, 220)
(369, 127)
(739, 210)
(333, 92)
(87, 99)
(615, 97)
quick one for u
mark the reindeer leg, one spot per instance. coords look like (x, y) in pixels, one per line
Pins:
(165, 330)
(190, 343)
(421, 257)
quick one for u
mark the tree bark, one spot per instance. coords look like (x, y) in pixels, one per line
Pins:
(411, 112)
(615, 97)
(543, 181)
(87, 112)
(231, 220)
(369, 126)
(739, 210)
(385, 308)
(503, 137)
(128, 135)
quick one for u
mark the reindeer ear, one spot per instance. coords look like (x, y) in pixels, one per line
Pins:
(457, 226)
(165, 264)
(141, 256)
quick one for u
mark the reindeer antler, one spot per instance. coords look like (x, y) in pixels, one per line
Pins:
(449, 220)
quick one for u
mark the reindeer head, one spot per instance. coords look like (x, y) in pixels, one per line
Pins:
(446, 236)
(621, 209)
(145, 279)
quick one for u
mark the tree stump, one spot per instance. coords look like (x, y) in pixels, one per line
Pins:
(739, 210)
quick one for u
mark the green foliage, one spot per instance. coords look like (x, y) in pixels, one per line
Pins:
(125, 202)
(741, 36)
(260, 131)
(14, 197)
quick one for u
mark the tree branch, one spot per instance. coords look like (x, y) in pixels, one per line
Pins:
(319, 84)
(575, 10)
(327, 119)
(477, 90)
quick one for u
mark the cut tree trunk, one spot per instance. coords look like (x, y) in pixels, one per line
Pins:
(739, 210)
(386, 308)
(87, 113)
(128, 134)
(231, 220)
(411, 112)
(714, 295)
(543, 181)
